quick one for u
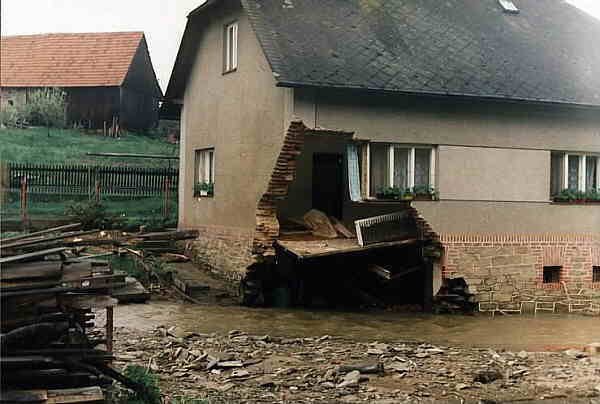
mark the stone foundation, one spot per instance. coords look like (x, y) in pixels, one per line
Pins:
(509, 268)
(225, 251)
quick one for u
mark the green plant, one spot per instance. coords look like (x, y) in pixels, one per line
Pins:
(46, 107)
(390, 193)
(424, 190)
(204, 188)
(10, 116)
(145, 379)
(570, 195)
(92, 215)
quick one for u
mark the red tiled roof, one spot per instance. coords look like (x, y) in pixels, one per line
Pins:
(67, 60)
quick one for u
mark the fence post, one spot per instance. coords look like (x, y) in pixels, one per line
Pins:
(167, 197)
(4, 182)
(24, 218)
(97, 191)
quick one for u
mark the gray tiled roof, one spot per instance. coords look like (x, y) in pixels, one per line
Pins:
(550, 51)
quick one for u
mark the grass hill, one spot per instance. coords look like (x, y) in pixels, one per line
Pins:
(66, 146)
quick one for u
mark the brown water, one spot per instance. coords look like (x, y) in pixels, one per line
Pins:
(544, 332)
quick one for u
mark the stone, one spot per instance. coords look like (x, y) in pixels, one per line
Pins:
(487, 376)
(575, 354)
(402, 367)
(523, 355)
(374, 351)
(462, 386)
(230, 364)
(238, 373)
(351, 379)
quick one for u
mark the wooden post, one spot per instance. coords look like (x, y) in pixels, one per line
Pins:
(4, 182)
(427, 282)
(109, 329)
(167, 197)
(97, 191)
(24, 218)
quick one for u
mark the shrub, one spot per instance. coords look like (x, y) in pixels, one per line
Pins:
(146, 379)
(46, 107)
(92, 215)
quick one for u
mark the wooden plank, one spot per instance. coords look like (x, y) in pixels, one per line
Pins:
(323, 248)
(36, 254)
(31, 270)
(23, 396)
(80, 395)
(24, 243)
(41, 232)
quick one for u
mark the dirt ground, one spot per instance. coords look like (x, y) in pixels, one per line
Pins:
(240, 367)
(264, 369)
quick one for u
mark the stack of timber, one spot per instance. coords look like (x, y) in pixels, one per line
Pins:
(49, 300)
(159, 243)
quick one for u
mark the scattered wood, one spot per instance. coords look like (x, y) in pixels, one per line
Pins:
(172, 257)
(46, 297)
(380, 271)
(341, 228)
(319, 224)
(41, 232)
(32, 255)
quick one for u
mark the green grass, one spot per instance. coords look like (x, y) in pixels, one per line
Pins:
(132, 211)
(67, 146)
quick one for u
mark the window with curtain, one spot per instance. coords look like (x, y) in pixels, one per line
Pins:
(400, 166)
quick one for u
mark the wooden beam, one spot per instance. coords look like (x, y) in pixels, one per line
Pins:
(134, 155)
(36, 254)
(41, 232)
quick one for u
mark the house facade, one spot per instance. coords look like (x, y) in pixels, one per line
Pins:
(107, 77)
(491, 117)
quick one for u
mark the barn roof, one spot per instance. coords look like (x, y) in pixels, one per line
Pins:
(67, 60)
(545, 53)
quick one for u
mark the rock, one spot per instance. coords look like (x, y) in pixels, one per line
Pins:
(575, 353)
(230, 364)
(212, 364)
(592, 349)
(351, 379)
(435, 351)
(364, 368)
(487, 376)
(422, 355)
(402, 367)
(374, 351)
(238, 373)
(266, 382)
(462, 386)
(523, 355)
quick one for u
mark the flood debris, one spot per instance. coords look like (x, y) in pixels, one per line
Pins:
(241, 367)
(454, 297)
(50, 295)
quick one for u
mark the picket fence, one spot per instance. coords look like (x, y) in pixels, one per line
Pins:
(62, 179)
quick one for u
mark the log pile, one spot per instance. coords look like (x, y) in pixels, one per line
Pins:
(50, 294)
(454, 297)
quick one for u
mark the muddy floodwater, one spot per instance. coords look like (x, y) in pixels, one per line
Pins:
(544, 332)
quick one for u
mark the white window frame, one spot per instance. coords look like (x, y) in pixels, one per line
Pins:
(231, 47)
(582, 177)
(208, 165)
(410, 175)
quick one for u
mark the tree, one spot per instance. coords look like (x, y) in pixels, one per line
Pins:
(46, 107)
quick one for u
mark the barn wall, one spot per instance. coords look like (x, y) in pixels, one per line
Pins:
(94, 104)
(140, 93)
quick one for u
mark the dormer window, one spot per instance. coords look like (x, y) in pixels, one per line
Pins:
(231, 47)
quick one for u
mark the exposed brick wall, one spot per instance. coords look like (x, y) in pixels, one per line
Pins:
(504, 267)
(267, 225)
(225, 251)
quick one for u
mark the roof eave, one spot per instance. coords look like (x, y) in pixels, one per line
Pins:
(482, 97)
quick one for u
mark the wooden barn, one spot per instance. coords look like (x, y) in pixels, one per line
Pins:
(108, 77)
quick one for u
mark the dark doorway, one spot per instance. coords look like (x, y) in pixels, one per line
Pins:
(328, 186)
